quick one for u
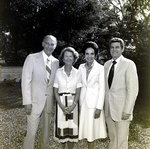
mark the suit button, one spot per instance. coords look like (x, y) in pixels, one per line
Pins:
(45, 94)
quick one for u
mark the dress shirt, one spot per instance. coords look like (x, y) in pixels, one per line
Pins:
(66, 83)
(115, 66)
(45, 59)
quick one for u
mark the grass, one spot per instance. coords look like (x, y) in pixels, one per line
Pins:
(13, 122)
(10, 95)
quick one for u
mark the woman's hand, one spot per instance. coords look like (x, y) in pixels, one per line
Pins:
(64, 109)
(71, 108)
(97, 113)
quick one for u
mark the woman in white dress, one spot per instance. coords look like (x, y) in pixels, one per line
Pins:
(92, 122)
(67, 87)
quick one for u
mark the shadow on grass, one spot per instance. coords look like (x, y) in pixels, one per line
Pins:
(141, 118)
(10, 95)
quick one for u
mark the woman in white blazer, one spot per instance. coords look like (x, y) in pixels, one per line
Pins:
(92, 122)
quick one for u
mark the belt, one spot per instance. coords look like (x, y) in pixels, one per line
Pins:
(67, 94)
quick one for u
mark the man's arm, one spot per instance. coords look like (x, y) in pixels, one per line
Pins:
(27, 80)
(131, 89)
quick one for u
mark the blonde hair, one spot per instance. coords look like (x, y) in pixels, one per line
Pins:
(70, 49)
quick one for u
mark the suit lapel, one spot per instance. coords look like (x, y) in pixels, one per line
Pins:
(41, 65)
(52, 69)
(93, 71)
(83, 72)
(118, 71)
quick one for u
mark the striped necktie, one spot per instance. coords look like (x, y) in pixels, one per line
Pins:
(48, 69)
(111, 74)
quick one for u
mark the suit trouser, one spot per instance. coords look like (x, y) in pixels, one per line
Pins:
(45, 125)
(33, 121)
(118, 133)
(32, 125)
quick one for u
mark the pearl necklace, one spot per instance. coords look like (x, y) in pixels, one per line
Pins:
(88, 68)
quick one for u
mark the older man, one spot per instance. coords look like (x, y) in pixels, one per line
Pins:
(37, 88)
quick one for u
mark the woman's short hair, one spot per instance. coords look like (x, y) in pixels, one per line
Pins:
(116, 39)
(90, 44)
(69, 49)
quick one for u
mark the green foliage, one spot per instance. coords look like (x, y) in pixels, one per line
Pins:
(73, 23)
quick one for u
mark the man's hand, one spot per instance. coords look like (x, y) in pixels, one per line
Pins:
(28, 109)
(97, 113)
(125, 116)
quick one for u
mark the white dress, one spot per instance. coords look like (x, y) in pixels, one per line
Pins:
(90, 128)
(66, 126)
(92, 97)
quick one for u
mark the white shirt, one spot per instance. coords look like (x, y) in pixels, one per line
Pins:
(66, 83)
(117, 60)
(47, 57)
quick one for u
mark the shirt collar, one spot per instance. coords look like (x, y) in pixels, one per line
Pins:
(46, 57)
(63, 69)
(118, 59)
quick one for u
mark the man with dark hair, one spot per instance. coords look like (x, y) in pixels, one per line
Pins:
(120, 96)
(37, 89)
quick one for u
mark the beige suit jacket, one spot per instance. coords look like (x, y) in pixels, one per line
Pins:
(35, 88)
(122, 95)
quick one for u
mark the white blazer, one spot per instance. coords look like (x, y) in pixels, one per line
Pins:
(93, 89)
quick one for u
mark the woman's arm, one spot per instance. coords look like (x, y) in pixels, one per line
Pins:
(76, 98)
(59, 102)
(100, 100)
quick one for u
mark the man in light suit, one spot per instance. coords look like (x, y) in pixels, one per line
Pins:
(120, 96)
(37, 90)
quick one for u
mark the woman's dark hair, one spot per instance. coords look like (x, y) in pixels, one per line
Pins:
(90, 44)
(69, 49)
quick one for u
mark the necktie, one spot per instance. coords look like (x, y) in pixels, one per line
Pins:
(111, 74)
(48, 69)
